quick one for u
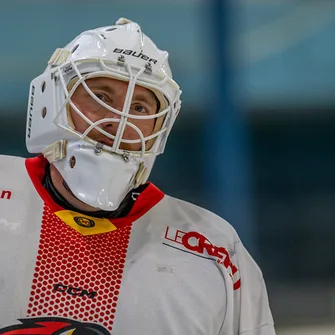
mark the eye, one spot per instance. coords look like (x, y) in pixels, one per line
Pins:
(139, 109)
(101, 97)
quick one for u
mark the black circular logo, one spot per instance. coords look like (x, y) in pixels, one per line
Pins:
(84, 222)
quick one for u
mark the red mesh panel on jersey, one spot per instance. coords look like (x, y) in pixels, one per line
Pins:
(77, 276)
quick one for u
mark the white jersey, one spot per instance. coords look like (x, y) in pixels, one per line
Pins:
(169, 267)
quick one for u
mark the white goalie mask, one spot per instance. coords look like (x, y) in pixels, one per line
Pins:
(101, 173)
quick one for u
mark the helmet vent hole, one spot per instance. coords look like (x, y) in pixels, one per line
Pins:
(44, 112)
(72, 162)
(43, 86)
(103, 36)
(75, 48)
(111, 29)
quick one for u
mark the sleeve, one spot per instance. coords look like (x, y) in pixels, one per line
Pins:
(255, 316)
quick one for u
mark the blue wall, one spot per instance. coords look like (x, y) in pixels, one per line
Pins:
(283, 51)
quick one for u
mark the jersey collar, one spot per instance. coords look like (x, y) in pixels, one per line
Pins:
(145, 201)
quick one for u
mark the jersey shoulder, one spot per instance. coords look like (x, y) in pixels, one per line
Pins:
(11, 167)
(198, 218)
(7, 159)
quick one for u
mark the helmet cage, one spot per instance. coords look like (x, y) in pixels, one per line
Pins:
(159, 83)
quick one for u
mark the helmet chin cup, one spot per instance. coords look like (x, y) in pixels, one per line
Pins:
(99, 179)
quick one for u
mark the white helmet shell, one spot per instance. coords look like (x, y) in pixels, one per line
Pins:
(121, 52)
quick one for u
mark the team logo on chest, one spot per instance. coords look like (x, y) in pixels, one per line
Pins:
(84, 222)
(54, 326)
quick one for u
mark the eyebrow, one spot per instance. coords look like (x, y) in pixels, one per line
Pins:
(137, 96)
(145, 97)
(103, 87)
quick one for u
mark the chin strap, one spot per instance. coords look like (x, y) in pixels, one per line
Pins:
(55, 151)
(141, 175)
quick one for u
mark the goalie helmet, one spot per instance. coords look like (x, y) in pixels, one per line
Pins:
(98, 174)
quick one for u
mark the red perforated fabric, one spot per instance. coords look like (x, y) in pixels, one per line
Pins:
(77, 276)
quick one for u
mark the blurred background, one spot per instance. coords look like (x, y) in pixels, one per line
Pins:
(254, 142)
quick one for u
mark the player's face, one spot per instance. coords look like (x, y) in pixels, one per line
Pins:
(113, 93)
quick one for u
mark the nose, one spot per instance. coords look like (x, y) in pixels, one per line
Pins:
(111, 126)
(109, 114)
(116, 103)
